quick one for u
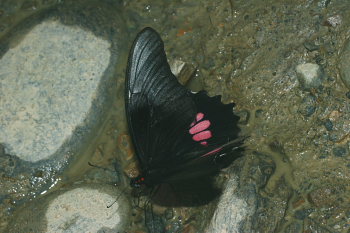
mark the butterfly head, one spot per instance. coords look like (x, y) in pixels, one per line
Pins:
(137, 182)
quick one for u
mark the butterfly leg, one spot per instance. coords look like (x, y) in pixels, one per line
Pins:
(149, 214)
(148, 207)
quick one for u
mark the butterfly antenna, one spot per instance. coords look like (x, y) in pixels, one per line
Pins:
(121, 192)
(136, 204)
(96, 166)
(149, 206)
(241, 145)
(239, 141)
(138, 199)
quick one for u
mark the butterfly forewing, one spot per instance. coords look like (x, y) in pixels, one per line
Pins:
(158, 107)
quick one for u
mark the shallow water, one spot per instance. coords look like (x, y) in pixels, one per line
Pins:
(247, 52)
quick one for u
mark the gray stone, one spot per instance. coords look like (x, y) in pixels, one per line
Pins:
(309, 75)
(339, 151)
(334, 21)
(58, 82)
(183, 71)
(81, 209)
(230, 211)
(328, 124)
(344, 65)
(308, 106)
(48, 83)
(347, 94)
(311, 46)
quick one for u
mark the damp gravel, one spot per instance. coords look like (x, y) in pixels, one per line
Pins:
(294, 176)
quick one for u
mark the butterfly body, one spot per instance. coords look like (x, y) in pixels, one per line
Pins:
(179, 137)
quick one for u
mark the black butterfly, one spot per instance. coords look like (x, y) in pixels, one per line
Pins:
(182, 139)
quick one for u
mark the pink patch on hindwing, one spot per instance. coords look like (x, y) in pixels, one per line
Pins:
(203, 125)
(199, 129)
(199, 116)
(204, 143)
(202, 135)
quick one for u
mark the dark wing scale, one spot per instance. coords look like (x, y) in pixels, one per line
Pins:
(158, 107)
(160, 111)
(223, 121)
(195, 160)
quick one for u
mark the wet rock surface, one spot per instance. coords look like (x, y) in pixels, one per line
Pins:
(230, 211)
(295, 174)
(249, 52)
(56, 88)
(80, 209)
(310, 75)
(45, 94)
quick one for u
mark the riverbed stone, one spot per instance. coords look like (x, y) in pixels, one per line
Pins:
(230, 211)
(82, 210)
(79, 209)
(309, 75)
(48, 83)
(58, 81)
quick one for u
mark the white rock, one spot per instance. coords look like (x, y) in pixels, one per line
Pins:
(309, 75)
(47, 84)
(230, 211)
(82, 210)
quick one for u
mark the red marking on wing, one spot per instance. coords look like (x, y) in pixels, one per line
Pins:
(212, 152)
(200, 132)
(199, 116)
(204, 143)
(203, 125)
(202, 135)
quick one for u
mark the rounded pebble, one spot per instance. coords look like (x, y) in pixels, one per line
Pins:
(339, 151)
(80, 209)
(328, 124)
(309, 75)
(348, 94)
(48, 84)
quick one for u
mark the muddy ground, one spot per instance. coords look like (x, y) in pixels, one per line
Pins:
(297, 154)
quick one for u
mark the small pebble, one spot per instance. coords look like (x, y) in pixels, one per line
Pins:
(259, 113)
(339, 151)
(244, 116)
(348, 94)
(333, 21)
(333, 137)
(310, 110)
(183, 71)
(169, 213)
(310, 46)
(302, 214)
(328, 124)
(309, 75)
(308, 106)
